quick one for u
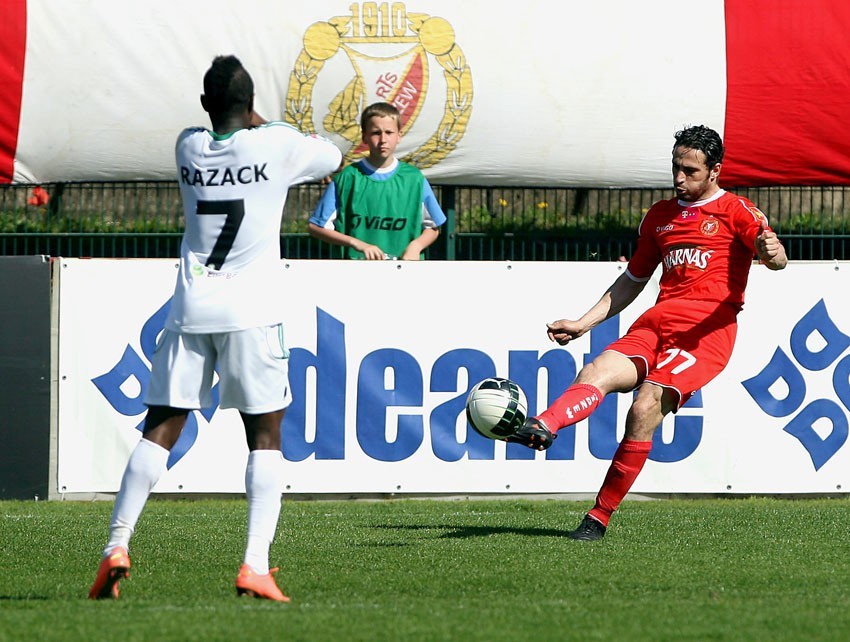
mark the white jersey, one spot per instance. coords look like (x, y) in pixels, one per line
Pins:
(234, 188)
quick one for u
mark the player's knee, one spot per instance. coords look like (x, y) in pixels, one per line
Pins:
(644, 417)
(590, 374)
(263, 431)
(609, 372)
(164, 424)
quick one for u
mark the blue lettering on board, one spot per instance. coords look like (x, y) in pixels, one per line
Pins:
(791, 371)
(390, 421)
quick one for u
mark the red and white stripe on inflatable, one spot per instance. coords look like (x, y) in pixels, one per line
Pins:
(13, 37)
(569, 95)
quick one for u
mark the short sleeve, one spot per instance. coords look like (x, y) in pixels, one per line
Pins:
(647, 256)
(432, 213)
(748, 220)
(326, 209)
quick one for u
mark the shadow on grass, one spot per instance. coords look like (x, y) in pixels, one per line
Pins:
(466, 532)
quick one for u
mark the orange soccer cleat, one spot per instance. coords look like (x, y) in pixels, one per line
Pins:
(250, 583)
(113, 568)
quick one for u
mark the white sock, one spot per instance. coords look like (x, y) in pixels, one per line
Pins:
(144, 468)
(263, 485)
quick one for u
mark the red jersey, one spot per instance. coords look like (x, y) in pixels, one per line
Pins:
(706, 248)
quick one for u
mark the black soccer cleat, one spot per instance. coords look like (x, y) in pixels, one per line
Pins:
(588, 531)
(534, 434)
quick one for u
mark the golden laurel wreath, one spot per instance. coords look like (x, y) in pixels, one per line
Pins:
(322, 41)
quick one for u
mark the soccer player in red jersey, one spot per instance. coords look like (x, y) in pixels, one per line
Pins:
(705, 240)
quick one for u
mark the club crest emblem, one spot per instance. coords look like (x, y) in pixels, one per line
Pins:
(709, 227)
(382, 52)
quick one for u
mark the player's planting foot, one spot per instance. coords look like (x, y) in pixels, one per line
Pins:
(588, 531)
(263, 586)
(113, 568)
(534, 434)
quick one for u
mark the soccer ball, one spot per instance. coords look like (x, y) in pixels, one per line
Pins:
(496, 407)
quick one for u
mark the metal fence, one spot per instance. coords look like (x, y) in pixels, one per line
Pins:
(144, 220)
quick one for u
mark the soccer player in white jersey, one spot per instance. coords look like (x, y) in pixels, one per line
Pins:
(227, 309)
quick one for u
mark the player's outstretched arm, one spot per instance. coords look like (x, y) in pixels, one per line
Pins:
(616, 298)
(769, 248)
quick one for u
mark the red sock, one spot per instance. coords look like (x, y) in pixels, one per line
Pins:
(577, 402)
(627, 463)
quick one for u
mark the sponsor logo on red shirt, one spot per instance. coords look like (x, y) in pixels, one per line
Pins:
(689, 256)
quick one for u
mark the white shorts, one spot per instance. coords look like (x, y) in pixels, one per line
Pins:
(252, 366)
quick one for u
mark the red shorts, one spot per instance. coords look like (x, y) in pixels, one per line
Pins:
(681, 344)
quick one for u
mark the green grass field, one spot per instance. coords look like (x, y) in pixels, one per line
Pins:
(736, 569)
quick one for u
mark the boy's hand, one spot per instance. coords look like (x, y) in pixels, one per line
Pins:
(371, 252)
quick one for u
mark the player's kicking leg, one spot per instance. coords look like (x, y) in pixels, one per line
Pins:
(534, 434)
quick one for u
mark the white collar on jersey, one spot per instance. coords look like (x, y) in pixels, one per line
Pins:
(705, 201)
(371, 169)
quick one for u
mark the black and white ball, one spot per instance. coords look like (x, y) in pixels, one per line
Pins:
(496, 407)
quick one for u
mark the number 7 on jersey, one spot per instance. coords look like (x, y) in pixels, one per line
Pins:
(234, 210)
